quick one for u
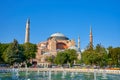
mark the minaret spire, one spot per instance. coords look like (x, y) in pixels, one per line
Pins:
(79, 51)
(91, 38)
(27, 33)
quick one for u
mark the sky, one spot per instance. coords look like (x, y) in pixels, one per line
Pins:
(73, 18)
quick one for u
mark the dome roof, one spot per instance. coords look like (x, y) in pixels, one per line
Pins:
(58, 36)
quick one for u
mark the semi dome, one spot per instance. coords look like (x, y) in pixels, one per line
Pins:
(73, 47)
(58, 36)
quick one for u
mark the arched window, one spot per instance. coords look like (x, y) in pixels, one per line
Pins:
(61, 45)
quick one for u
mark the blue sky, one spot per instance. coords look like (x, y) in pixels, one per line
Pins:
(73, 18)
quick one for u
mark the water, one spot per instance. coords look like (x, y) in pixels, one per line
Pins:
(15, 74)
(104, 75)
(64, 75)
(49, 77)
(95, 75)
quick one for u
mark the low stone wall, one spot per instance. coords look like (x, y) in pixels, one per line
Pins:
(72, 70)
(64, 69)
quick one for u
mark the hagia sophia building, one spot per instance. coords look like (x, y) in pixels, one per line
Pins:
(56, 42)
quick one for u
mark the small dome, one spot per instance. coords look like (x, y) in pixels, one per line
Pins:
(57, 35)
(73, 47)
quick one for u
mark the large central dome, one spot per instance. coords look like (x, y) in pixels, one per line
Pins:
(58, 36)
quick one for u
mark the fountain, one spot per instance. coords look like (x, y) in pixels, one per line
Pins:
(55, 72)
(26, 72)
(72, 74)
(43, 73)
(104, 75)
(38, 72)
(19, 74)
(49, 75)
(15, 73)
(76, 73)
(63, 74)
(94, 74)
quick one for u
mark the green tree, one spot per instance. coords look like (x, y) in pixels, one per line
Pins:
(100, 49)
(3, 47)
(67, 56)
(114, 56)
(97, 56)
(90, 47)
(21, 48)
(12, 54)
(29, 51)
(61, 58)
(72, 56)
(102, 55)
(50, 59)
(89, 57)
(110, 61)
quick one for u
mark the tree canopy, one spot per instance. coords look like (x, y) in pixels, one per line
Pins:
(97, 56)
(12, 54)
(3, 47)
(16, 53)
(29, 50)
(67, 56)
(114, 56)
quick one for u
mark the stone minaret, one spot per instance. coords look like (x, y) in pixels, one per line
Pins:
(79, 51)
(91, 38)
(79, 43)
(27, 33)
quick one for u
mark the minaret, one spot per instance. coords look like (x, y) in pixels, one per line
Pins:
(79, 43)
(91, 38)
(27, 33)
(79, 51)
